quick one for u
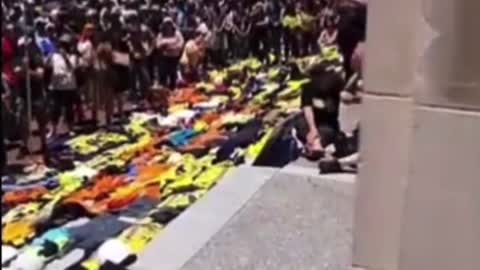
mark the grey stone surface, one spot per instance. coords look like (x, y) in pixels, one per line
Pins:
(350, 116)
(264, 235)
(292, 223)
(189, 232)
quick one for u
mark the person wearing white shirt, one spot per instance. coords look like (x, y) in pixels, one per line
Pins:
(63, 84)
(169, 44)
(87, 81)
(329, 35)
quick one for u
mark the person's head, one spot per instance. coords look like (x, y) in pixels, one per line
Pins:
(201, 34)
(299, 6)
(290, 8)
(330, 24)
(258, 8)
(40, 24)
(168, 27)
(8, 30)
(50, 29)
(88, 31)
(65, 43)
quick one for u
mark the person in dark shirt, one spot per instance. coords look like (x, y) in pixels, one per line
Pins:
(274, 9)
(290, 30)
(243, 26)
(122, 80)
(259, 33)
(138, 53)
(320, 103)
(351, 30)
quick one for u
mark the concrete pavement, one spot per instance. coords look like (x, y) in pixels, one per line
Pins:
(261, 218)
(264, 218)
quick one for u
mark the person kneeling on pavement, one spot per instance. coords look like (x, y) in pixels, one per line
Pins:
(319, 125)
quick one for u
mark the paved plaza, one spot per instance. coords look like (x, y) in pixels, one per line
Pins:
(263, 218)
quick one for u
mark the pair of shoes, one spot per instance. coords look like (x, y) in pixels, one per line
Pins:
(333, 165)
(329, 166)
(313, 155)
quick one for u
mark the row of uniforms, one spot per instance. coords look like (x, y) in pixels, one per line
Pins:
(111, 191)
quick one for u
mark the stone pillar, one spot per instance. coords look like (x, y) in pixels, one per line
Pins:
(418, 196)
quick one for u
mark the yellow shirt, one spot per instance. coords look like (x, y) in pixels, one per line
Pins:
(291, 22)
(307, 22)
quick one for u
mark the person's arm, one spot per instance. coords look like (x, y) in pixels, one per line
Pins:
(208, 37)
(332, 39)
(310, 118)
(264, 22)
(136, 49)
(236, 29)
(159, 41)
(148, 42)
(179, 40)
(6, 94)
(55, 66)
(176, 40)
(38, 70)
(307, 107)
(321, 39)
(162, 42)
(223, 25)
(358, 57)
(247, 31)
(83, 47)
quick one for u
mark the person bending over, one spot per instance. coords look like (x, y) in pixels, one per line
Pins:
(320, 101)
(170, 46)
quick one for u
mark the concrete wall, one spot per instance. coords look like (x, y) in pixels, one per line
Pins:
(418, 197)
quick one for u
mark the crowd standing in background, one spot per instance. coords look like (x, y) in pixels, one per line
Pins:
(86, 58)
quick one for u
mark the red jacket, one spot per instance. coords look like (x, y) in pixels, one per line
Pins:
(8, 56)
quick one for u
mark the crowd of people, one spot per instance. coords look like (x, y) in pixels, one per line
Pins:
(84, 58)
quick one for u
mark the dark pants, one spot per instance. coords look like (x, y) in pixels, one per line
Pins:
(259, 45)
(191, 76)
(39, 114)
(215, 57)
(242, 46)
(151, 64)
(140, 79)
(64, 102)
(291, 43)
(309, 43)
(230, 41)
(276, 40)
(168, 71)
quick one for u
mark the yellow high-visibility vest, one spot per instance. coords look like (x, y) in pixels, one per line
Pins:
(291, 22)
